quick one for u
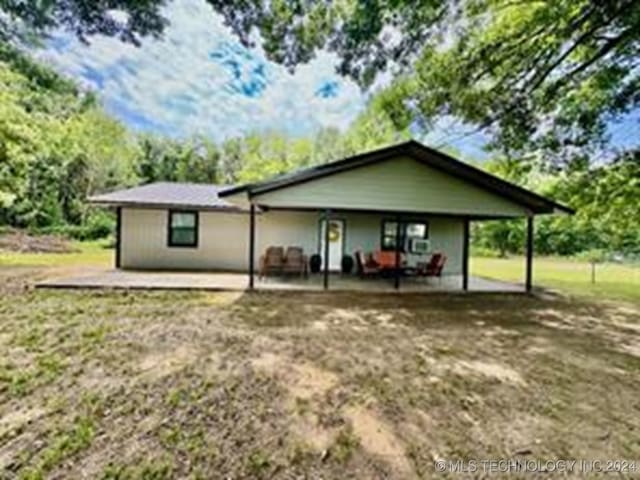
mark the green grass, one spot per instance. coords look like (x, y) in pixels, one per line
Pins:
(613, 281)
(94, 254)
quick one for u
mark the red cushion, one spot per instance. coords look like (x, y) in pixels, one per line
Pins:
(386, 259)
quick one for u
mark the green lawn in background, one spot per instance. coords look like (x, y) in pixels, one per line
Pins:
(613, 281)
(91, 254)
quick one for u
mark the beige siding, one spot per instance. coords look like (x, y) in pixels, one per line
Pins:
(396, 184)
(222, 242)
(223, 238)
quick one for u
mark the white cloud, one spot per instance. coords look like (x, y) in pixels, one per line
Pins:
(198, 79)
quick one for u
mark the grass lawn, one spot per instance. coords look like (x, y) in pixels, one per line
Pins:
(92, 254)
(266, 385)
(613, 281)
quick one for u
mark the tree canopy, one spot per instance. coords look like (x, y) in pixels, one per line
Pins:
(541, 78)
(128, 20)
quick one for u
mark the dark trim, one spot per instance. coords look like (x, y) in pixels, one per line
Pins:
(403, 234)
(327, 217)
(236, 189)
(252, 244)
(416, 214)
(529, 256)
(118, 259)
(433, 158)
(173, 206)
(170, 242)
(465, 256)
(396, 273)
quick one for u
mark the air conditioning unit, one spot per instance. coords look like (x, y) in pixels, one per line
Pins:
(420, 246)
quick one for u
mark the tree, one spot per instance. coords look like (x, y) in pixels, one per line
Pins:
(604, 196)
(537, 76)
(368, 36)
(128, 20)
(56, 144)
(541, 76)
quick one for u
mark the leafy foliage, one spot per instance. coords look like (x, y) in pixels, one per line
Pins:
(368, 36)
(56, 146)
(128, 20)
(606, 200)
(539, 77)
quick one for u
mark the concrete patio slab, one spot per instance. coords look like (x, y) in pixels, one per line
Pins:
(218, 281)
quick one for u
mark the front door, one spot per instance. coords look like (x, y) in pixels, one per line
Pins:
(336, 242)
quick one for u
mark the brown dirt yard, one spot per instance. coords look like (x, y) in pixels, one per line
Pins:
(116, 385)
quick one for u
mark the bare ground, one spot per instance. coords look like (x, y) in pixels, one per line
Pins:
(264, 385)
(20, 241)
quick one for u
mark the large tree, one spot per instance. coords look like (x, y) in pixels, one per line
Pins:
(128, 20)
(536, 75)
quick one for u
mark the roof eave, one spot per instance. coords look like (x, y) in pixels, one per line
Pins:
(234, 190)
(161, 205)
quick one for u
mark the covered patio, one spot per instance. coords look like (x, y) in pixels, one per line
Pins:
(384, 233)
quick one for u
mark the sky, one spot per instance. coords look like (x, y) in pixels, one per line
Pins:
(199, 80)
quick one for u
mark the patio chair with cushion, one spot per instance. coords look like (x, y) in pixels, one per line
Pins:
(272, 262)
(295, 261)
(434, 267)
(387, 259)
(367, 266)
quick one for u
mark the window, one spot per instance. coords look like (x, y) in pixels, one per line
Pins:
(408, 231)
(183, 229)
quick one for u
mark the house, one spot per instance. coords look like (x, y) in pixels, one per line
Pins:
(407, 199)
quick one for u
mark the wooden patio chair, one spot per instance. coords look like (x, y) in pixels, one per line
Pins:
(434, 268)
(367, 267)
(272, 262)
(295, 261)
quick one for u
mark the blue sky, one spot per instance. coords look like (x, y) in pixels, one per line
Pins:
(198, 79)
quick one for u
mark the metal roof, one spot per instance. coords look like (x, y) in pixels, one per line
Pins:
(168, 194)
(416, 150)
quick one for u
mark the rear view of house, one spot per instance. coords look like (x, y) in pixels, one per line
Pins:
(396, 207)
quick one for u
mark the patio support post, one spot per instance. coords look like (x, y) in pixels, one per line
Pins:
(327, 220)
(252, 245)
(396, 283)
(529, 253)
(465, 256)
(118, 235)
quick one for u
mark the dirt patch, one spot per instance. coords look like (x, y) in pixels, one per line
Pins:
(307, 427)
(18, 418)
(490, 369)
(305, 381)
(305, 384)
(377, 438)
(19, 241)
(161, 364)
(302, 380)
